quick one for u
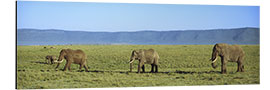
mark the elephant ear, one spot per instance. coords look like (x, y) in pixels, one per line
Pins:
(63, 50)
(221, 49)
(141, 53)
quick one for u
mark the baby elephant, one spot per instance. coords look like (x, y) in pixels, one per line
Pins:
(50, 59)
(149, 56)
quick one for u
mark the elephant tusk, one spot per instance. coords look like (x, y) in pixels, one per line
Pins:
(131, 61)
(59, 61)
(214, 60)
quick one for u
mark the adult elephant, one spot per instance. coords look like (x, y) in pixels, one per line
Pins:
(72, 56)
(149, 56)
(228, 53)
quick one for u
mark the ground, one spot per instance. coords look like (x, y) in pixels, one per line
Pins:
(179, 65)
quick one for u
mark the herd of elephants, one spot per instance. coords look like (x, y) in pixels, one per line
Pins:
(227, 53)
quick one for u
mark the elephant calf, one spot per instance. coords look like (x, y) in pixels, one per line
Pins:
(50, 59)
(228, 53)
(149, 56)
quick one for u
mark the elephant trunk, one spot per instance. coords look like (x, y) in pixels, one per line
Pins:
(214, 58)
(130, 63)
(130, 67)
(214, 65)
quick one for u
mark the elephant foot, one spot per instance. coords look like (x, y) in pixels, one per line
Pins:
(223, 72)
(80, 70)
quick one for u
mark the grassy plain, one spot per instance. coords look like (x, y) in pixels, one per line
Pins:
(180, 65)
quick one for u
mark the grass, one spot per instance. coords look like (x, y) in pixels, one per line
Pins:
(180, 65)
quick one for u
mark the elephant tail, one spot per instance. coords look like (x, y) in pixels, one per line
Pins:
(243, 66)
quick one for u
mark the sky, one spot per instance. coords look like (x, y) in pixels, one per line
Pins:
(113, 17)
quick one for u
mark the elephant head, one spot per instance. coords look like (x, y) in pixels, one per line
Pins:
(62, 55)
(216, 52)
(135, 55)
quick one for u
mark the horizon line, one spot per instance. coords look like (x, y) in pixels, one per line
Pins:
(150, 30)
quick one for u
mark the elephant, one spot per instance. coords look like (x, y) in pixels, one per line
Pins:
(228, 53)
(72, 56)
(149, 56)
(50, 59)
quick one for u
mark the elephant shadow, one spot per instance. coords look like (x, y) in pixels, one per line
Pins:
(99, 71)
(39, 62)
(177, 71)
(190, 72)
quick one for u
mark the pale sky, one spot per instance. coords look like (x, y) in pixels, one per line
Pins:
(89, 16)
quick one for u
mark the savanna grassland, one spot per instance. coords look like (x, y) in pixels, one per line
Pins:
(180, 65)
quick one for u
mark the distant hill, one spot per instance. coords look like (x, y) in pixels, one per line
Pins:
(62, 37)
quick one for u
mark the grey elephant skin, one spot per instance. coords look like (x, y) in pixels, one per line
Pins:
(149, 56)
(228, 53)
(72, 56)
(50, 59)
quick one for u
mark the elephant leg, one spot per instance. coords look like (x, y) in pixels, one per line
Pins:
(66, 66)
(51, 61)
(152, 68)
(85, 67)
(69, 65)
(140, 66)
(156, 67)
(223, 65)
(241, 64)
(223, 69)
(238, 67)
(143, 68)
(242, 68)
(48, 61)
(81, 67)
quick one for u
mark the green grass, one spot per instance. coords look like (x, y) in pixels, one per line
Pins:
(180, 65)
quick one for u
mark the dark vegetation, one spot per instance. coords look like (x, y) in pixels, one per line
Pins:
(62, 37)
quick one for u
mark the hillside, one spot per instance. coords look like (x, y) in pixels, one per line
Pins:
(62, 37)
